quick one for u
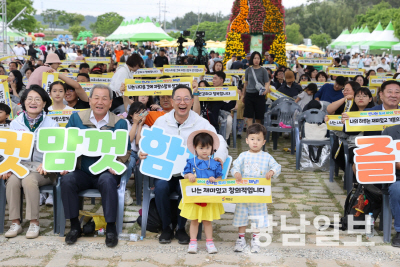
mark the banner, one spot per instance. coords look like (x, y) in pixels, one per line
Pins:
(249, 190)
(218, 93)
(374, 120)
(5, 97)
(88, 86)
(209, 79)
(273, 67)
(234, 72)
(48, 79)
(375, 159)
(69, 62)
(374, 90)
(378, 80)
(334, 123)
(154, 87)
(345, 72)
(315, 61)
(13, 56)
(104, 78)
(148, 72)
(71, 70)
(275, 94)
(176, 70)
(62, 116)
(98, 59)
(319, 84)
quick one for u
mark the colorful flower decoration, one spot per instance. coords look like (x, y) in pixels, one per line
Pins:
(278, 48)
(273, 22)
(234, 45)
(256, 16)
(240, 24)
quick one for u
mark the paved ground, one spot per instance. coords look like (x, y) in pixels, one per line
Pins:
(294, 193)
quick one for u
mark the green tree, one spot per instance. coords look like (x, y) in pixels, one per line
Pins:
(213, 30)
(75, 29)
(321, 40)
(26, 22)
(293, 34)
(107, 23)
(70, 19)
(50, 16)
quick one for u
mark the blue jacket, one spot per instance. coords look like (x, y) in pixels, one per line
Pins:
(327, 93)
(81, 120)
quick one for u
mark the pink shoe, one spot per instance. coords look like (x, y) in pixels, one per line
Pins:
(282, 125)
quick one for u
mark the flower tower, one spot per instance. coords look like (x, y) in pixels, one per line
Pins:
(256, 25)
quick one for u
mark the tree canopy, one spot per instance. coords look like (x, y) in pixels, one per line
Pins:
(293, 34)
(107, 23)
(214, 31)
(26, 22)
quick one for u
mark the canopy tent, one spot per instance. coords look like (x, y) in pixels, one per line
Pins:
(396, 47)
(345, 33)
(347, 39)
(385, 40)
(364, 35)
(139, 31)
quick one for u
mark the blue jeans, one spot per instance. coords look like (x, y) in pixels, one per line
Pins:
(394, 200)
(132, 163)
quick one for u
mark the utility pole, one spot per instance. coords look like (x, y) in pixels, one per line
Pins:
(159, 11)
(165, 11)
(4, 26)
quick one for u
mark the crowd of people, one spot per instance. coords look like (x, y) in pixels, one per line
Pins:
(182, 113)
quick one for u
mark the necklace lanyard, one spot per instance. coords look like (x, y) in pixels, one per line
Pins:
(194, 160)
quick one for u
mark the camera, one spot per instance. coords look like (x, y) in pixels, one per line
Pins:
(180, 41)
(200, 34)
(201, 59)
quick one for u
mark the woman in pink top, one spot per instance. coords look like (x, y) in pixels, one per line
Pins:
(80, 56)
(52, 62)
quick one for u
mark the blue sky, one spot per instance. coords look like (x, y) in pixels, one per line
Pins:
(131, 9)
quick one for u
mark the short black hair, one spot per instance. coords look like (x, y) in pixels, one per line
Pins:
(64, 70)
(134, 107)
(383, 86)
(355, 78)
(13, 62)
(59, 46)
(57, 82)
(321, 73)
(239, 58)
(272, 55)
(84, 75)
(5, 108)
(181, 86)
(203, 139)
(221, 74)
(354, 85)
(135, 60)
(365, 91)
(252, 58)
(205, 83)
(84, 65)
(43, 94)
(337, 59)
(311, 87)
(305, 75)
(344, 60)
(340, 80)
(256, 128)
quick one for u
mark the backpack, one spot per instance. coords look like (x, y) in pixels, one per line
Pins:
(366, 195)
(154, 223)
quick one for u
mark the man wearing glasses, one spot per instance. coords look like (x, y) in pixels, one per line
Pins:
(179, 121)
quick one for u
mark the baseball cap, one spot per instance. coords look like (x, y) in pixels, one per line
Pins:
(162, 49)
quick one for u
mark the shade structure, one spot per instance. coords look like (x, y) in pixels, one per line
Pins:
(396, 47)
(385, 40)
(139, 30)
(343, 36)
(364, 35)
(372, 37)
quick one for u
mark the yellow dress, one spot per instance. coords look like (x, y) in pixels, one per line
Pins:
(212, 211)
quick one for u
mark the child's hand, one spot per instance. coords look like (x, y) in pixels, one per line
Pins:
(238, 176)
(269, 175)
(191, 177)
(212, 179)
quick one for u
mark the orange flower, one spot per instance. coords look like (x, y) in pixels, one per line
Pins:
(240, 24)
(273, 22)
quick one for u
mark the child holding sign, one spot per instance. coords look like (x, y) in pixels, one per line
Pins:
(202, 144)
(254, 163)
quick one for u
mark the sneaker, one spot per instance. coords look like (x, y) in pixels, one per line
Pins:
(166, 236)
(240, 245)
(192, 248)
(14, 230)
(255, 245)
(33, 231)
(182, 236)
(211, 249)
(42, 199)
(127, 198)
(49, 200)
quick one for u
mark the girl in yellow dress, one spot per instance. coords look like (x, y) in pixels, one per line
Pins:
(202, 145)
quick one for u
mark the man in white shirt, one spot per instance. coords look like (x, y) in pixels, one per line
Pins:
(229, 63)
(211, 61)
(19, 51)
(384, 65)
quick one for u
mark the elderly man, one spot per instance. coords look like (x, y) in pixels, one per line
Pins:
(98, 116)
(179, 121)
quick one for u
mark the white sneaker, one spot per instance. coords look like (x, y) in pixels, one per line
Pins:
(211, 249)
(14, 230)
(42, 199)
(192, 248)
(255, 245)
(240, 245)
(33, 231)
(127, 198)
(49, 200)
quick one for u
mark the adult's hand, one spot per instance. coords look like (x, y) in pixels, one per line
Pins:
(195, 86)
(40, 169)
(220, 161)
(51, 71)
(64, 173)
(349, 97)
(6, 175)
(122, 88)
(345, 117)
(326, 119)
(136, 118)
(142, 155)
(112, 171)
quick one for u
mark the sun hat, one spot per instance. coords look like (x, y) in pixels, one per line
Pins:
(43, 48)
(191, 137)
(53, 58)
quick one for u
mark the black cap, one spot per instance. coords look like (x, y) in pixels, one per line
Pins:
(162, 49)
(340, 80)
(19, 42)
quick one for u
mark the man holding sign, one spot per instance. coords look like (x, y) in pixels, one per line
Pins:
(180, 121)
(98, 116)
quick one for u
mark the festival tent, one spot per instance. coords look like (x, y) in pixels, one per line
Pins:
(396, 47)
(364, 35)
(385, 40)
(119, 31)
(347, 39)
(355, 38)
(341, 37)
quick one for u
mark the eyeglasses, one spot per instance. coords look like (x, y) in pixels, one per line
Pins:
(36, 100)
(179, 100)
